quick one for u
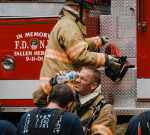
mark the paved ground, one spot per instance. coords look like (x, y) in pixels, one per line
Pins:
(120, 129)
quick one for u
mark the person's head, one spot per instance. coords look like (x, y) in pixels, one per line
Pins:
(88, 80)
(62, 95)
(83, 7)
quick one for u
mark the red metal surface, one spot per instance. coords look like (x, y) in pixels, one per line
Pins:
(143, 43)
(15, 39)
(16, 102)
(92, 27)
(143, 99)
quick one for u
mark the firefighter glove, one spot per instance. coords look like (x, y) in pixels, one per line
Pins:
(112, 62)
(53, 81)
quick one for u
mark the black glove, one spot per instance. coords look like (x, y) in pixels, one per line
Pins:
(53, 81)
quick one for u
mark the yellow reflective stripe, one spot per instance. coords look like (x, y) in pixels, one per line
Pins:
(57, 55)
(101, 129)
(76, 48)
(100, 59)
(47, 88)
(86, 45)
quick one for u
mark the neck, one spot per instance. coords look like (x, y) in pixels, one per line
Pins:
(54, 105)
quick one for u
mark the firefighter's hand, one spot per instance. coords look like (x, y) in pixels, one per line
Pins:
(105, 39)
(61, 73)
(53, 81)
(113, 62)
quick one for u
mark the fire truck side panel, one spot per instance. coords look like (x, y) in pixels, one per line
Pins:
(25, 40)
(143, 42)
(143, 51)
(120, 25)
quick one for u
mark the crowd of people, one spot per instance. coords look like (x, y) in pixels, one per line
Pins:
(75, 107)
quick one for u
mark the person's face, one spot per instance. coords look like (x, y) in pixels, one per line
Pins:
(85, 14)
(83, 84)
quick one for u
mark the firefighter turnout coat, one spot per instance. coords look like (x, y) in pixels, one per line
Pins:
(104, 123)
(67, 49)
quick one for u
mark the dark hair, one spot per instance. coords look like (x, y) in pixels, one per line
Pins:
(61, 94)
(96, 74)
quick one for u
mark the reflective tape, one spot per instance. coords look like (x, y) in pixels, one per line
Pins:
(100, 59)
(98, 43)
(76, 48)
(57, 55)
(101, 129)
(47, 88)
(43, 80)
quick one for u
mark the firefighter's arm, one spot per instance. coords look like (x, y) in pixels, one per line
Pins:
(75, 47)
(106, 121)
(40, 95)
(94, 43)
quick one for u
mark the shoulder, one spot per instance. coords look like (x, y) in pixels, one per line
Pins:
(69, 114)
(7, 127)
(132, 128)
(25, 116)
(66, 20)
(108, 107)
(67, 24)
(134, 121)
(70, 117)
(5, 123)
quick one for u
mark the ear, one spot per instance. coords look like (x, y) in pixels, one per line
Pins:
(94, 86)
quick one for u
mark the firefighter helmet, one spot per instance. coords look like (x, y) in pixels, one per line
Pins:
(86, 3)
(91, 4)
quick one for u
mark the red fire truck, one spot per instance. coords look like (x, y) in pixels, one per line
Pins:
(25, 27)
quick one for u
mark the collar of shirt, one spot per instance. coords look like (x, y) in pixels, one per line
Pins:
(84, 99)
(67, 11)
(70, 9)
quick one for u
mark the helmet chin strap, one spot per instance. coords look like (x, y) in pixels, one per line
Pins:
(81, 9)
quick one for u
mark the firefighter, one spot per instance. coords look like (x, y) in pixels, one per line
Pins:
(139, 125)
(55, 119)
(7, 128)
(97, 116)
(68, 49)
